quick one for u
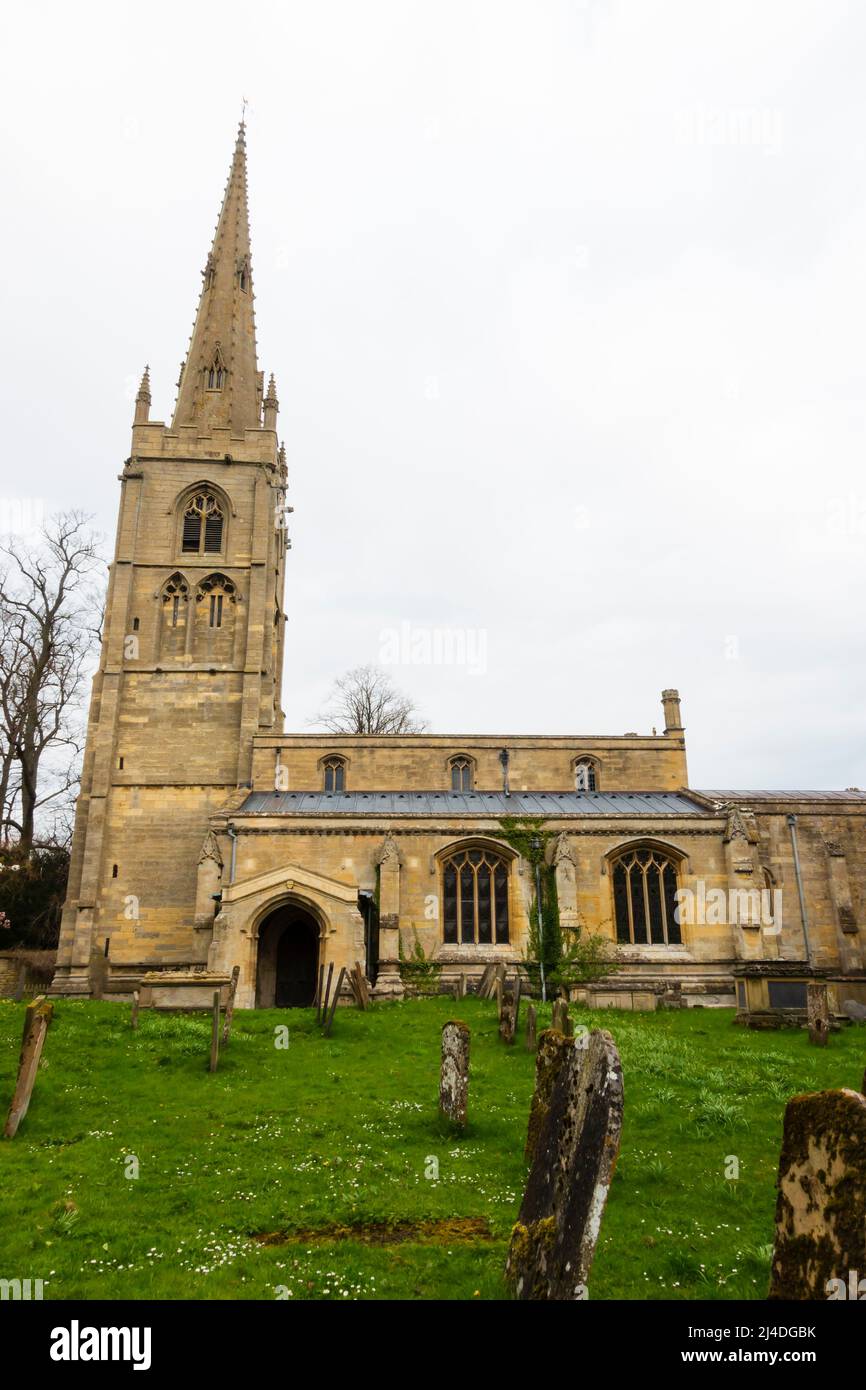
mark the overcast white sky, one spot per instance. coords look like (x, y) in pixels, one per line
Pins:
(565, 303)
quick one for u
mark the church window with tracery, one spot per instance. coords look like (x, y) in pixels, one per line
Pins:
(218, 591)
(175, 592)
(644, 898)
(475, 897)
(585, 775)
(461, 774)
(335, 774)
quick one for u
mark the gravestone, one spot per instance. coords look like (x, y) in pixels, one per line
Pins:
(531, 1028)
(854, 1010)
(136, 1002)
(454, 1074)
(486, 982)
(497, 995)
(560, 1019)
(821, 1202)
(552, 1050)
(818, 1012)
(510, 1011)
(37, 1017)
(553, 1243)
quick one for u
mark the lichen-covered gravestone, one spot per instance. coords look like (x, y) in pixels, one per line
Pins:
(821, 1203)
(553, 1244)
(510, 1011)
(454, 1074)
(818, 1012)
(553, 1047)
(531, 1028)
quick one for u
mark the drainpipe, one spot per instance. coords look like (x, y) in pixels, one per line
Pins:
(536, 846)
(503, 758)
(792, 826)
(233, 836)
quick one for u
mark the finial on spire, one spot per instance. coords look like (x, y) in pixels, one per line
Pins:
(142, 400)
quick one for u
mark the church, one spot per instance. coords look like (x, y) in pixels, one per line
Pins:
(207, 838)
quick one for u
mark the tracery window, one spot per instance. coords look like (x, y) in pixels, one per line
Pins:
(216, 591)
(644, 898)
(202, 525)
(335, 774)
(461, 774)
(475, 897)
(216, 373)
(175, 592)
(585, 775)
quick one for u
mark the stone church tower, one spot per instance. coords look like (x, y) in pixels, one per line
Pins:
(192, 648)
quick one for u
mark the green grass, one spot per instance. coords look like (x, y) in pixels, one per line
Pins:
(343, 1131)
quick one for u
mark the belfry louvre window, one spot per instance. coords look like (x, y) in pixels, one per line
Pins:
(461, 775)
(335, 775)
(202, 525)
(644, 899)
(475, 897)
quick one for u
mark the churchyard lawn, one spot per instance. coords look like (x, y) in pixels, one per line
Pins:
(287, 1143)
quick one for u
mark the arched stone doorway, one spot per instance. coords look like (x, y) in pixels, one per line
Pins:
(288, 959)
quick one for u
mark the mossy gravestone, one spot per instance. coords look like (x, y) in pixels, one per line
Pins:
(818, 1013)
(821, 1203)
(454, 1074)
(553, 1244)
(553, 1048)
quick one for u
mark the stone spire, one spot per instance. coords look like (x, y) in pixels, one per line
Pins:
(220, 383)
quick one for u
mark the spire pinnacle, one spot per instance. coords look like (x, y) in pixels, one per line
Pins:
(271, 405)
(142, 400)
(219, 380)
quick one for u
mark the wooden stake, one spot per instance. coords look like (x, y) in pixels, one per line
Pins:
(327, 994)
(215, 1033)
(37, 1017)
(230, 1005)
(318, 999)
(330, 1018)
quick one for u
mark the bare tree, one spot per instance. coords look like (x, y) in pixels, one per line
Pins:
(364, 701)
(47, 606)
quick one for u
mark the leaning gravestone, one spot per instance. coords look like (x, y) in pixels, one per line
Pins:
(818, 1013)
(454, 1074)
(485, 984)
(553, 1244)
(821, 1202)
(553, 1048)
(37, 1017)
